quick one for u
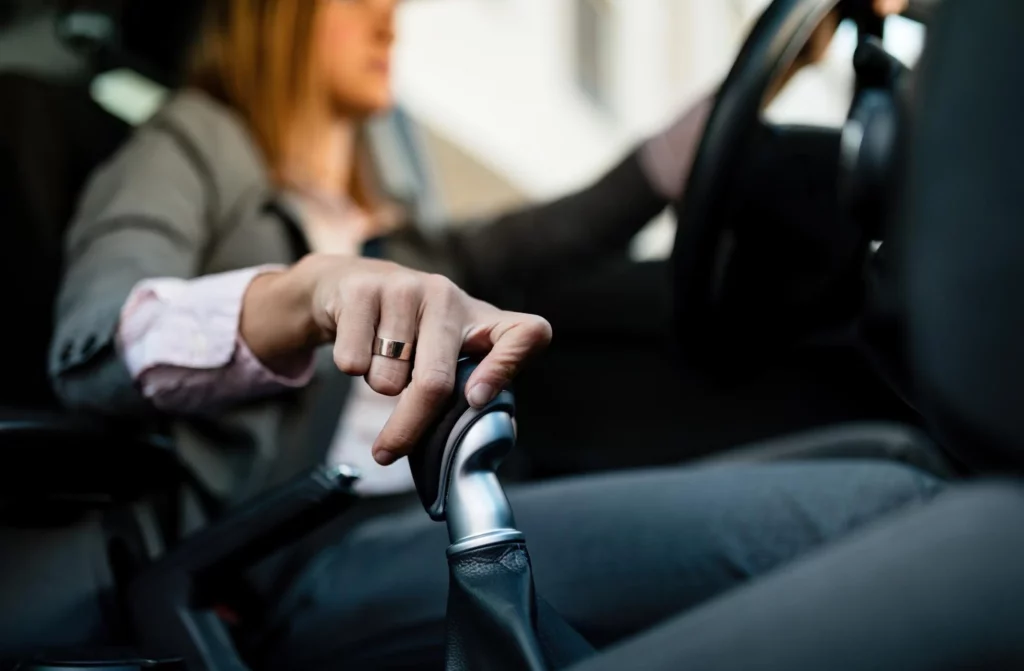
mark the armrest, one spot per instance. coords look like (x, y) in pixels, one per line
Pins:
(172, 602)
(53, 456)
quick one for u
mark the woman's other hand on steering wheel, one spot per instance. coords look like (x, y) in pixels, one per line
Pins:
(887, 7)
(669, 155)
(816, 49)
(352, 301)
(821, 40)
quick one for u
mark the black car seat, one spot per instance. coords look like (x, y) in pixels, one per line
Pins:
(61, 476)
(42, 165)
(55, 578)
(51, 137)
(965, 234)
(88, 508)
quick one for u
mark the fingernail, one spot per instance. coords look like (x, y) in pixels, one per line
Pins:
(383, 457)
(480, 395)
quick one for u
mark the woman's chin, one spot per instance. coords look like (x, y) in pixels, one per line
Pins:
(369, 107)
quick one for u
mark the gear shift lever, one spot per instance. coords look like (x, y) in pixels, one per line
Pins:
(492, 620)
(455, 468)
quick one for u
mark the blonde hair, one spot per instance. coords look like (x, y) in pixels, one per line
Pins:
(256, 57)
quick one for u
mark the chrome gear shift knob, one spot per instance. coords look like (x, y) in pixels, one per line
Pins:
(455, 468)
(477, 511)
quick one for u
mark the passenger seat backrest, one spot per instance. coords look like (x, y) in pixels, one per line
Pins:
(148, 36)
(965, 232)
(51, 137)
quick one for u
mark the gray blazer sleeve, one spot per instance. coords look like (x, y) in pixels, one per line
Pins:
(499, 260)
(142, 215)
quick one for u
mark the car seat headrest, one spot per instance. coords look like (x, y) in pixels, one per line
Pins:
(148, 36)
(51, 138)
(90, 26)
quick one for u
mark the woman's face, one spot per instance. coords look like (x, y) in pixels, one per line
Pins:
(352, 49)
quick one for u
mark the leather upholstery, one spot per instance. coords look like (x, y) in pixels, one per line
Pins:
(496, 621)
(492, 614)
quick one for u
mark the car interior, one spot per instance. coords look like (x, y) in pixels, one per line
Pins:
(737, 359)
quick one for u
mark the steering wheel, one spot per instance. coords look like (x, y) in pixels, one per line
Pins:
(713, 332)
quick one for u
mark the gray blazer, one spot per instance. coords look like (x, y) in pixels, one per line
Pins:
(189, 195)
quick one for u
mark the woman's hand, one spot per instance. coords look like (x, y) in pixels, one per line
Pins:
(887, 7)
(351, 301)
(820, 41)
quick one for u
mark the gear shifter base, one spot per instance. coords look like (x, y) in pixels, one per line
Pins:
(485, 540)
(492, 612)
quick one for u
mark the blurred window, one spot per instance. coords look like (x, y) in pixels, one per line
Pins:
(593, 44)
(904, 39)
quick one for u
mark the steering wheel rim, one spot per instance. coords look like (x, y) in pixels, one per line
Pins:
(703, 236)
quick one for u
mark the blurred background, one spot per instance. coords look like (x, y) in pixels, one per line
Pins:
(526, 99)
(506, 101)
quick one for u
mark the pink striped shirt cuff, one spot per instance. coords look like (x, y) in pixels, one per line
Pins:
(180, 341)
